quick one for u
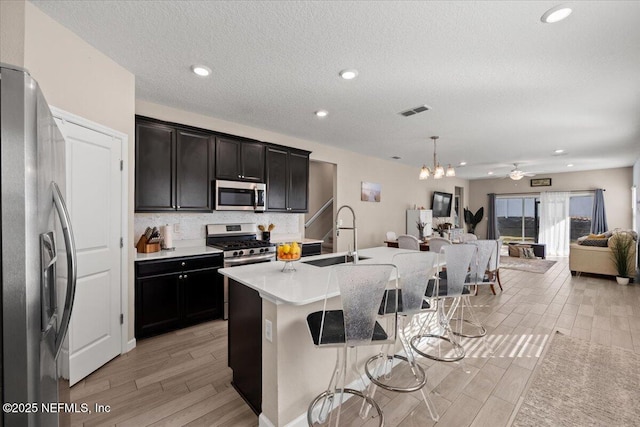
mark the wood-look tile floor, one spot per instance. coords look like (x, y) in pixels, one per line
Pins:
(182, 378)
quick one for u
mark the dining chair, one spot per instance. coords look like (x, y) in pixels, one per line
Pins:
(494, 267)
(407, 241)
(449, 286)
(391, 235)
(437, 243)
(394, 370)
(362, 287)
(467, 237)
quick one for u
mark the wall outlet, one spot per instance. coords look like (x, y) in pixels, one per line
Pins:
(268, 330)
(176, 227)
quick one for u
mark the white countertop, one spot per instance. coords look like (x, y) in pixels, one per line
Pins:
(178, 252)
(307, 284)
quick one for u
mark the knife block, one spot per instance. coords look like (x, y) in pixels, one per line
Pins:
(144, 247)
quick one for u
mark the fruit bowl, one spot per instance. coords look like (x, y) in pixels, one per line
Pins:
(289, 252)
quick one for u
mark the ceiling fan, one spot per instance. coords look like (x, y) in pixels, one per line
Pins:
(516, 174)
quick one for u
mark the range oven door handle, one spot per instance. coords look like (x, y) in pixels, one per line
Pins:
(72, 265)
(249, 260)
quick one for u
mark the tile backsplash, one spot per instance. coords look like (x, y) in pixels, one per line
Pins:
(192, 225)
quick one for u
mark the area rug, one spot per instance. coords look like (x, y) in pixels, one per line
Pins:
(523, 264)
(579, 383)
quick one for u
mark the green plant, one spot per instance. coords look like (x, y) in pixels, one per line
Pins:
(620, 245)
(473, 219)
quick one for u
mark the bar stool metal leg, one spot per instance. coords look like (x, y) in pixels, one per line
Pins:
(446, 335)
(333, 397)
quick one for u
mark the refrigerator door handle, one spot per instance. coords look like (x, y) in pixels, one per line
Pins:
(72, 268)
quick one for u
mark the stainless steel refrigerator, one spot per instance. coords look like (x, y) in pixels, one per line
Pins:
(38, 255)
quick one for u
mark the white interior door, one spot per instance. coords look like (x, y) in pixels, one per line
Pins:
(94, 199)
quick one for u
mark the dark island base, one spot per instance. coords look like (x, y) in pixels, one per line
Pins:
(245, 343)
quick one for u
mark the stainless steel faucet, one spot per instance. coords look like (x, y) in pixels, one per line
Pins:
(354, 254)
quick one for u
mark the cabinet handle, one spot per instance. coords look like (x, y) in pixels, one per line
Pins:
(180, 277)
(183, 263)
(239, 176)
(178, 206)
(173, 206)
(185, 276)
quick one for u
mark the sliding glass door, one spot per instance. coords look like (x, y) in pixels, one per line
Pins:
(517, 218)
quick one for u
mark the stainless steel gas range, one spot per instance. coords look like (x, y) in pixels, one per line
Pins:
(240, 245)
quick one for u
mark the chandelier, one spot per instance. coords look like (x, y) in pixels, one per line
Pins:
(438, 171)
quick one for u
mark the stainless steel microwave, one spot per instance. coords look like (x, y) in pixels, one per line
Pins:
(240, 196)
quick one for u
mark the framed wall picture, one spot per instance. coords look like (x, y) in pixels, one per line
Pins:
(370, 192)
(541, 182)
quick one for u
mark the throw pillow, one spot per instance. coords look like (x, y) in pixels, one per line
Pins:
(527, 253)
(602, 243)
(514, 250)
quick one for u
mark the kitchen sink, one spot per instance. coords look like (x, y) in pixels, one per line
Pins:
(326, 262)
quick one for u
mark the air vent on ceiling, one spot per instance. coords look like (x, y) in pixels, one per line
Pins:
(395, 157)
(415, 110)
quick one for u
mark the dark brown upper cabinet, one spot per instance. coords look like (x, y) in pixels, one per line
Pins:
(287, 179)
(174, 168)
(238, 160)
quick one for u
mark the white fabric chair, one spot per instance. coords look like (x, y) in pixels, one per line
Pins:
(494, 267)
(437, 243)
(467, 237)
(407, 241)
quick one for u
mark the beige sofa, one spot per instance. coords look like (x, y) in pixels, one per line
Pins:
(593, 259)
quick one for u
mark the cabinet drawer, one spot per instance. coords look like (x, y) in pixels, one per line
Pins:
(176, 265)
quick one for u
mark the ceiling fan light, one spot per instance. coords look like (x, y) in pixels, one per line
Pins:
(516, 175)
(424, 172)
(450, 171)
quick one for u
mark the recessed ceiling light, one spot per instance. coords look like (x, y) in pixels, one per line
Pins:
(201, 70)
(559, 151)
(463, 163)
(321, 113)
(570, 165)
(349, 74)
(490, 173)
(555, 14)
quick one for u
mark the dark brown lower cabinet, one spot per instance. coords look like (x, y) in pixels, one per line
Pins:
(178, 292)
(310, 249)
(245, 343)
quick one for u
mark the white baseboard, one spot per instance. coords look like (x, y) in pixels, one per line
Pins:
(131, 344)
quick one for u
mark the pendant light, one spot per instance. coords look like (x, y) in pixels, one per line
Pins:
(438, 171)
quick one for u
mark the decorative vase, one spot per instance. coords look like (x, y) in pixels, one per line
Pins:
(266, 236)
(622, 280)
(420, 234)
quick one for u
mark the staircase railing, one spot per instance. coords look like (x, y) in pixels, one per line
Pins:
(317, 214)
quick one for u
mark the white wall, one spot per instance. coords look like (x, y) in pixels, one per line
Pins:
(12, 21)
(401, 188)
(617, 197)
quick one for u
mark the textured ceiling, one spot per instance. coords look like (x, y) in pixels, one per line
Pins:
(503, 86)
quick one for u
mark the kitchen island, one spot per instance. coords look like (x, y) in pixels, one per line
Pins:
(277, 369)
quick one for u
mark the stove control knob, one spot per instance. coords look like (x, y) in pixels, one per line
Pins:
(235, 253)
(261, 250)
(251, 251)
(241, 253)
